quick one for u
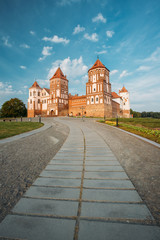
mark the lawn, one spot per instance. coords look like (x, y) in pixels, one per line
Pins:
(8, 129)
(145, 127)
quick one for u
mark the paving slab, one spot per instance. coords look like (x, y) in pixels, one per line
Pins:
(68, 158)
(114, 210)
(46, 207)
(103, 168)
(37, 228)
(57, 182)
(63, 167)
(76, 162)
(62, 154)
(103, 163)
(50, 192)
(111, 175)
(61, 174)
(92, 158)
(116, 231)
(121, 184)
(111, 195)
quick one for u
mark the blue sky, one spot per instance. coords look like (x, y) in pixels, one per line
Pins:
(36, 36)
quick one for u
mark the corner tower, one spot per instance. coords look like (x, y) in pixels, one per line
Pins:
(98, 91)
(124, 94)
(58, 102)
(34, 100)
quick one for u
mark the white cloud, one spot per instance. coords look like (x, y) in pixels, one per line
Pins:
(113, 72)
(6, 88)
(125, 74)
(93, 37)
(85, 79)
(45, 52)
(6, 41)
(78, 29)
(43, 83)
(23, 67)
(144, 68)
(101, 52)
(99, 18)
(25, 87)
(154, 57)
(32, 32)
(110, 33)
(24, 46)
(1, 84)
(56, 39)
(72, 68)
(76, 81)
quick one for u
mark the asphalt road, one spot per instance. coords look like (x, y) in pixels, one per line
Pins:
(22, 161)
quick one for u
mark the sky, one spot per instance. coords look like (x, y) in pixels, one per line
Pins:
(38, 36)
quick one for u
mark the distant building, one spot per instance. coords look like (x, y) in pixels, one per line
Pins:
(99, 101)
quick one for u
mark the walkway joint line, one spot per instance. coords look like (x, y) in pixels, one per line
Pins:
(76, 230)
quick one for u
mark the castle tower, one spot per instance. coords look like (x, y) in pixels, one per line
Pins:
(124, 94)
(98, 91)
(58, 101)
(34, 100)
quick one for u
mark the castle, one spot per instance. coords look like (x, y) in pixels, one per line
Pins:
(99, 101)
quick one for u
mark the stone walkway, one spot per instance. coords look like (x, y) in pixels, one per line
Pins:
(83, 193)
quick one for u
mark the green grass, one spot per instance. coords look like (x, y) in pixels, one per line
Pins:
(8, 129)
(145, 127)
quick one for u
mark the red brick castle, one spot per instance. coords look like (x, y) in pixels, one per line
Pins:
(99, 101)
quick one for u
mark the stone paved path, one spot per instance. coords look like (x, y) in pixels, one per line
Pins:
(83, 193)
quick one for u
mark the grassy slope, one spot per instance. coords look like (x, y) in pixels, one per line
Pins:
(8, 129)
(145, 127)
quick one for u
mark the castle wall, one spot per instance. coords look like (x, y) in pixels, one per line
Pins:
(115, 109)
(76, 103)
(126, 113)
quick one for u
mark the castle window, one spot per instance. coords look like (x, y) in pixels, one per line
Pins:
(31, 101)
(94, 87)
(92, 100)
(38, 93)
(34, 93)
(38, 100)
(30, 93)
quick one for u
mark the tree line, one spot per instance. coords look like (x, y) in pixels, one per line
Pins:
(145, 114)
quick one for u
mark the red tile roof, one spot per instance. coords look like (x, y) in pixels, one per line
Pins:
(115, 95)
(35, 85)
(123, 90)
(59, 74)
(47, 89)
(97, 64)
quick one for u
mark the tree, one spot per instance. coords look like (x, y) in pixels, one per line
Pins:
(13, 108)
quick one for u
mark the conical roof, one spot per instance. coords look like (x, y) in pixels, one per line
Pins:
(35, 85)
(123, 90)
(115, 95)
(59, 74)
(97, 64)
